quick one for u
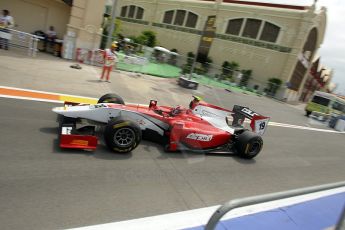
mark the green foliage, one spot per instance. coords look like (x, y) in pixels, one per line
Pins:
(141, 39)
(273, 86)
(186, 68)
(246, 75)
(147, 38)
(173, 58)
(150, 38)
(225, 71)
(206, 65)
(117, 27)
(228, 70)
(190, 59)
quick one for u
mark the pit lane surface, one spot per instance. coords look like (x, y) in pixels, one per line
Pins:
(44, 187)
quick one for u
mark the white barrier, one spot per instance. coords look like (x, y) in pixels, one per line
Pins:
(21, 40)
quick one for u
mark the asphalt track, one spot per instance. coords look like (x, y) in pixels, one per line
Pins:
(44, 187)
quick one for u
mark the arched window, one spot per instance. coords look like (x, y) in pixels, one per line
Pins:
(192, 19)
(180, 18)
(124, 11)
(270, 32)
(252, 27)
(132, 11)
(234, 26)
(168, 17)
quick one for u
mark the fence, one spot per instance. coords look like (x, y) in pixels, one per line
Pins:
(17, 39)
(220, 212)
(161, 62)
(164, 63)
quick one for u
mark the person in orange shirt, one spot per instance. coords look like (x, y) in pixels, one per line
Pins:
(109, 57)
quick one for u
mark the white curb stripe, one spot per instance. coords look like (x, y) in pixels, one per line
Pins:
(198, 217)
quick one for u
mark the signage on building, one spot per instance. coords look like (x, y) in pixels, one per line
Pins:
(304, 60)
(207, 38)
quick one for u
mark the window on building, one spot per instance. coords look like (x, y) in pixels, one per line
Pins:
(270, 32)
(168, 17)
(191, 20)
(180, 18)
(234, 26)
(132, 12)
(124, 11)
(140, 13)
(251, 28)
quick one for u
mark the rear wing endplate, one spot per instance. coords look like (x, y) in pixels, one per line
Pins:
(258, 122)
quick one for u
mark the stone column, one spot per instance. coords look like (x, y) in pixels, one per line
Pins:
(84, 27)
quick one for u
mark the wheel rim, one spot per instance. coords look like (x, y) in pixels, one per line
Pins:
(124, 137)
(254, 148)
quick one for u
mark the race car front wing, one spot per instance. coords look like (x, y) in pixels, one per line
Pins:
(78, 138)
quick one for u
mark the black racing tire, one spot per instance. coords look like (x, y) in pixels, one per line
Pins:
(111, 98)
(248, 144)
(122, 136)
(307, 113)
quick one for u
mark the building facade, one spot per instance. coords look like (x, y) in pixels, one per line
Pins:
(77, 22)
(318, 79)
(38, 15)
(273, 40)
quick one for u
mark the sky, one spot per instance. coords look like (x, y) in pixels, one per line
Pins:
(332, 51)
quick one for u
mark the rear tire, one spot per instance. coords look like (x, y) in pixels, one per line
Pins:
(307, 113)
(248, 145)
(122, 136)
(111, 98)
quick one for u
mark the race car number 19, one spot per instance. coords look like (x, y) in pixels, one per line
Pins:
(260, 126)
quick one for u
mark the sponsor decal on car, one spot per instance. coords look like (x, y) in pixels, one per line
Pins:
(79, 142)
(249, 112)
(200, 137)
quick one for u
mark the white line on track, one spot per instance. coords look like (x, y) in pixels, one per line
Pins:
(271, 123)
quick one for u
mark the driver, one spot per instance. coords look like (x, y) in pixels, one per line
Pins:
(177, 110)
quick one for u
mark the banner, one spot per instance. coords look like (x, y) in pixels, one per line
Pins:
(207, 38)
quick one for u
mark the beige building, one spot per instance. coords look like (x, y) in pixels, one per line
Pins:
(78, 22)
(275, 41)
(35, 15)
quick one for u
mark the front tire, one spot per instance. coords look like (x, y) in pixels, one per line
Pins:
(122, 136)
(248, 145)
(111, 98)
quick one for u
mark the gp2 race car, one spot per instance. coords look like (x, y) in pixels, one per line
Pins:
(202, 127)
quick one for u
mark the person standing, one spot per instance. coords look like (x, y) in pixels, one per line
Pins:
(6, 23)
(50, 37)
(109, 58)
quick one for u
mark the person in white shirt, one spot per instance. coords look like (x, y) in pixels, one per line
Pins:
(109, 61)
(6, 22)
(50, 37)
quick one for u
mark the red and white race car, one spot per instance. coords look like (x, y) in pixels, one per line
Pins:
(201, 127)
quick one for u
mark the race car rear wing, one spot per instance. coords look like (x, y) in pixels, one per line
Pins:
(258, 122)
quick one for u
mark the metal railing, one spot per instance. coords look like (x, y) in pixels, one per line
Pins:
(18, 39)
(237, 203)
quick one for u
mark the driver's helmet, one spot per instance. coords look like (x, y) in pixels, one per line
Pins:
(175, 111)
